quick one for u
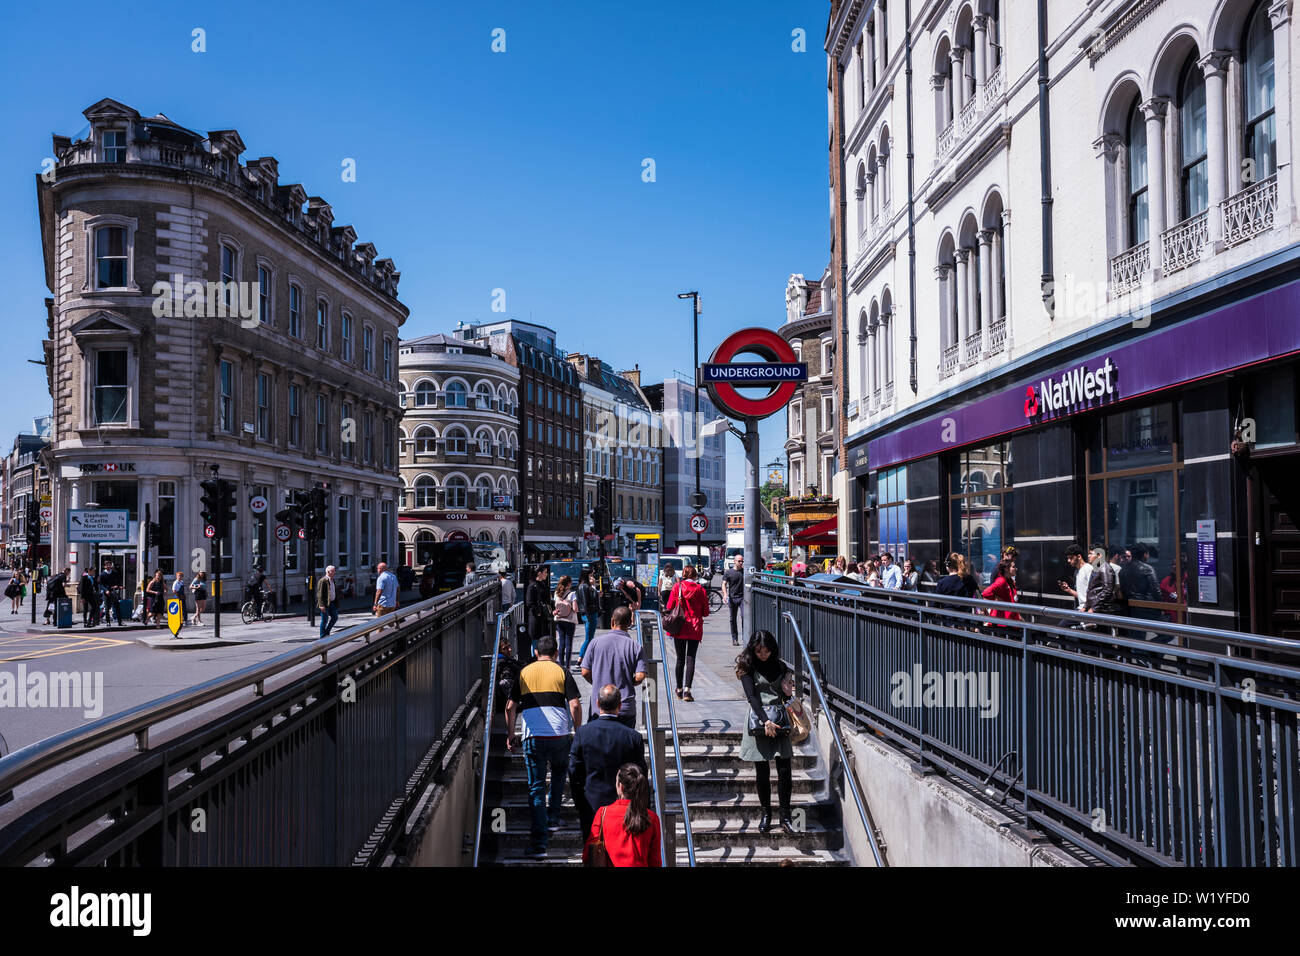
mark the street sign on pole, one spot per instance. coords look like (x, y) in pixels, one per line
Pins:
(258, 504)
(283, 532)
(699, 523)
(103, 526)
(210, 531)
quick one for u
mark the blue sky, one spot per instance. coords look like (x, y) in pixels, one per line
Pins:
(475, 170)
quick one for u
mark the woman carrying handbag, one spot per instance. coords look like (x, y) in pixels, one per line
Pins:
(694, 603)
(626, 833)
(767, 683)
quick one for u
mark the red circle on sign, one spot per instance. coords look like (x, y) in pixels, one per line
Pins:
(210, 531)
(699, 523)
(767, 344)
(457, 536)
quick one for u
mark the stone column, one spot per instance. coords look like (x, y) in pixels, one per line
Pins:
(878, 42)
(1107, 147)
(941, 274)
(887, 323)
(958, 82)
(1153, 111)
(986, 286)
(865, 397)
(1215, 64)
(980, 26)
(871, 208)
(1007, 262)
(1279, 14)
(937, 83)
(962, 297)
(996, 313)
(77, 494)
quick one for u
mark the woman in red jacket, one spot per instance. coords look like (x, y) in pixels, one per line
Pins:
(628, 827)
(1003, 589)
(695, 601)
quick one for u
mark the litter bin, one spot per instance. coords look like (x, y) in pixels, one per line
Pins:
(124, 610)
(63, 612)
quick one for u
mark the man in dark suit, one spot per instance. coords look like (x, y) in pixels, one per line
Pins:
(600, 747)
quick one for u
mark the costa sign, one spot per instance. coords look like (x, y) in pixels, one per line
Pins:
(780, 370)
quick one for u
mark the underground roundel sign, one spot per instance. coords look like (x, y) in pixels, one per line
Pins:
(780, 372)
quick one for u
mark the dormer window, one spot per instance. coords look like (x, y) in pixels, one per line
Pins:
(224, 167)
(114, 146)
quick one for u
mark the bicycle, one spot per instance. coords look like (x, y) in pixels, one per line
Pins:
(715, 599)
(249, 613)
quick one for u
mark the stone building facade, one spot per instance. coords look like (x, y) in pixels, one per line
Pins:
(459, 448)
(202, 317)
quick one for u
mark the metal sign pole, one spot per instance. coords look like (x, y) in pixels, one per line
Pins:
(753, 527)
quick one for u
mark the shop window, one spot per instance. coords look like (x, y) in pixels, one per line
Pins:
(891, 513)
(982, 507)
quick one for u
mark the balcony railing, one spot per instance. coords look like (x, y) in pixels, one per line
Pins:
(975, 109)
(1183, 244)
(997, 336)
(972, 350)
(887, 396)
(1250, 211)
(950, 360)
(1128, 268)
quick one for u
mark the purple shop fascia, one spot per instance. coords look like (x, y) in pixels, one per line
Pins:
(1255, 330)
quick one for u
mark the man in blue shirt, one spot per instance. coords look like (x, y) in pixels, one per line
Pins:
(385, 591)
(890, 576)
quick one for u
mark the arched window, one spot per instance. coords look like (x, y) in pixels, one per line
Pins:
(873, 187)
(1137, 176)
(860, 197)
(483, 492)
(424, 393)
(455, 439)
(485, 536)
(483, 393)
(1257, 85)
(425, 439)
(1193, 168)
(483, 439)
(887, 335)
(426, 492)
(457, 492)
(457, 396)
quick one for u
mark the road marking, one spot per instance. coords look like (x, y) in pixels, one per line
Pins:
(51, 645)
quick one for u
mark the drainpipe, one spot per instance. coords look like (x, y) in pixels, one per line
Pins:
(1045, 162)
(844, 266)
(911, 203)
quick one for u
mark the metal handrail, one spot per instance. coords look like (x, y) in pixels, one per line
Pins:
(677, 741)
(37, 758)
(1118, 622)
(658, 791)
(488, 712)
(849, 773)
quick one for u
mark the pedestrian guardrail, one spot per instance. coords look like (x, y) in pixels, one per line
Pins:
(658, 745)
(507, 621)
(319, 756)
(1146, 742)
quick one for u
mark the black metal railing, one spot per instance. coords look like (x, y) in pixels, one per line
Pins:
(324, 768)
(1146, 742)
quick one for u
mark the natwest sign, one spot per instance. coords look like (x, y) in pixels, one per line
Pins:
(1080, 386)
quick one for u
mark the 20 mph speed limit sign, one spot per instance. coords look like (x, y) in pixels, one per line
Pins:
(699, 523)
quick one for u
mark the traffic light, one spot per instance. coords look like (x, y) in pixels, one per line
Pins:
(211, 499)
(226, 507)
(152, 535)
(316, 521)
(33, 525)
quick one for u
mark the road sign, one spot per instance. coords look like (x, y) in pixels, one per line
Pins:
(302, 533)
(47, 513)
(258, 504)
(105, 526)
(174, 616)
(283, 532)
(210, 531)
(776, 353)
(698, 500)
(699, 523)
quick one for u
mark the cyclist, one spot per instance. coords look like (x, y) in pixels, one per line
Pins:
(256, 593)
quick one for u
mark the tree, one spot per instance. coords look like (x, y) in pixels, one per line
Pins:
(767, 493)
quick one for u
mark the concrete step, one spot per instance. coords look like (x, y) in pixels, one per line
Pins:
(765, 856)
(514, 841)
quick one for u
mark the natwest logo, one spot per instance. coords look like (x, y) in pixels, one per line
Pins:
(1078, 386)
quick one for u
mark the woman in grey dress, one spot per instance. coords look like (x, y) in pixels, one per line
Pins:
(765, 680)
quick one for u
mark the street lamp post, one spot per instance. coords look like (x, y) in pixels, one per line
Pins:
(695, 428)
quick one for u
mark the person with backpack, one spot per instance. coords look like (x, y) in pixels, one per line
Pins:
(254, 583)
(566, 619)
(686, 627)
(537, 606)
(88, 594)
(56, 589)
(589, 608)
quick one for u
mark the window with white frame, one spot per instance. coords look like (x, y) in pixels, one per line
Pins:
(388, 359)
(322, 324)
(295, 312)
(226, 397)
(263, 406)
(114, 146)
(111, 389)
(795, 427)
(368, 348)
(1193, 156)
(1259, 127)
(229, 275)
(112, 257)
(457, 492)
(1136, 161)
(346, 333)
(265, 286)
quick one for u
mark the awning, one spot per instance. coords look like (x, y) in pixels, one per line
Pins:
(822, 533)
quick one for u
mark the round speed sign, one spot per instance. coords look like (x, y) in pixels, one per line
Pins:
(283, 532)
(699, 523)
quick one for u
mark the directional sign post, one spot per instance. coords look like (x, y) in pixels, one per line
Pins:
(175, 615)
(99, 526)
